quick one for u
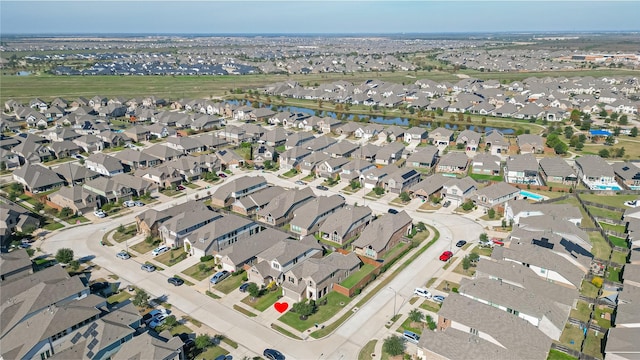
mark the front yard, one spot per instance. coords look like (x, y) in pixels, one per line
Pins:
(231, 283)
(265, 301)
(199, 273)
(129, 232)
(335, 302)
(144, 247)
(172, 257)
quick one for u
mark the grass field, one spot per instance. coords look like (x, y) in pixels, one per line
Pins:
(171, 257)
(615, 200)
(229, 284)
(600, 249)
(605, 213)
(582, 312)
(571, 337)
(559, 355)
(335, 302)
(265, 301)
(593, 344)
(354, 278)
(194, 270)
(619, 241)
(589, 290)
(367, 350)
(619, 257)
(129, 232)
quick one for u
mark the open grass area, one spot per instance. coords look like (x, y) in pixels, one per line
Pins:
(482, 250)
(52, 225)
(393, 253)
(431, 281)
(613, 274)
(122, 296)
(559, 355)
(430, 306)
(571, 337)
(129, 232)
(619, 241)
(289, 174)
(143, 247)
(335, 302)
(229, 284)
(447, 286)
(620, 229)
(593, 344)
(610, 200)
(354, 278)
(460, 270)
(285, 332)
(600, 248)
(605, 213)
(265, 301)
(244, 311)
(481, 177)
(619, 257)
(450, 262)
(407, 325)
(179, 329)
(589, 290)
(211, 352)
(367, 350)
(602, 316)
(582, 311)
(171, 257)
(195, 272)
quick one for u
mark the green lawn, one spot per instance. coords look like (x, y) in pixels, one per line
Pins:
(605, 213)
(391, 254)
(335, 302)
(229, 284)
(244, 311)
(582, 312)
(619, 257)
(192, 186)
(129, 232)
(170, 192)
(52, 225)
(598, 316)
(451, 261)
(613, 274)
(559, 355)
(485, 177)
(367, 350)
(593, 344)
(171, 257)
(617, 228)
(289, 174)
(620, 242)
(610, 200)
(589, 290)
(265, 301)
(179, 329)
(118, 298)
(194, 270)
(571, 334)
(600, 248)
(406, 325)
(430, 306)
(144, 247)
(354, 278)
(211, 353)
(482, 251)
(284, 331)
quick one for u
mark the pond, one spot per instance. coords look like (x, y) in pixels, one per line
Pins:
(384, 120)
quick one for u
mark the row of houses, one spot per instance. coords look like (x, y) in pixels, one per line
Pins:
(50, 315)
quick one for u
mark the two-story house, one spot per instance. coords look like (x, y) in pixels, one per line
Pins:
(522, 169)
(596, 173)
(281, 208)
(345, 224)
(104, 164)
(229, 192)
(278, 259)
(309, 216)
(382, 235)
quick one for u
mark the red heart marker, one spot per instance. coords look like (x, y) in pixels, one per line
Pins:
(281, 307)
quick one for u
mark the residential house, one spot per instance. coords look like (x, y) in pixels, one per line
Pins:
(185, 144)
(627, 174)
(331, 167)
(64, 149)
(376, 177)
(494, 195)
(160, 131)
(522, 169)
(530, 144)
(556, 170)
(104, 164)
(292, 158)
(250, 204)
(310, 163)
(401, 180)
(382, 235)
(163, 176)
(352, 170)
(218, 234)
(78, 199)
(75, 173)
(596, 173)
(230, 159)
(345, 224)
(175, 228)
(424, 158)
(389, 153)
(233, 134)
(33, 149)
(113, 139)
(321, 143)
(415, 133)
(342, 149)
(470, 139)
(453, 163)
(137, 133)
(275, 137)
(621, 343)
(14, 218)
(367, 152)
(148, 222)
(280, 209)
(310, 215)
(206, 123)
(158, 346)
(107, 190)
(368, 132)
(459, 191)
(486, 164)
(262, 153)
(190, 168)
(89, 143)
(314, 278)
(430, 186)
(243, 253)
(278, 259)
(516, 209)
(496, 143)
(348, 128)
(37, 178)
(132, 160)
(440, 136)
(138, 186)
(15, 265)
(10, 160)
(298, 139)
(231, 191)
(163, 152)
(394, 133)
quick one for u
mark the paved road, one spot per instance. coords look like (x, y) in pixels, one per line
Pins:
(344, 343)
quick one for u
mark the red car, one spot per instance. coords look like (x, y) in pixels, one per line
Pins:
(446, 256)
(497, 242)
(180, 187)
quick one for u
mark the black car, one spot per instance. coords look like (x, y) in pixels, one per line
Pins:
(244, 287)
(392, 211)
(273, 354)
(322, 187)
(176, 281)
(461, 243)
(446, 203)
(97, 287)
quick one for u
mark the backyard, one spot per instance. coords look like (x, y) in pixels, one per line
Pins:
(354, 278)
(600, 249)
(572, 337)
(615, 200)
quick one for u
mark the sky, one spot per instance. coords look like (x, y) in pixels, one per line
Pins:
(311, 17)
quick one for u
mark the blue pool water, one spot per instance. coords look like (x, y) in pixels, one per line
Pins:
(606, 187)
(532, 196)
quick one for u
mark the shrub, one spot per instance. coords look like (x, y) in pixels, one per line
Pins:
(597, 282)
(393, 345)
(64, 255)
(455, 290)
(206, 258)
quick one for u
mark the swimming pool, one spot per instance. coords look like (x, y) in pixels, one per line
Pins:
(531, 196)
(606, 187)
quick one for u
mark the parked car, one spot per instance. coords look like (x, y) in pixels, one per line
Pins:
(392, 211)
(222, 175)
(438, 298)
(129, 203)
(446, 203)
(180, 187)
(244, 287)
(322, 187)
(220, 276)
(159, 250)
(422, 292)
(461, 243)
(411, 336)
(123, 255)
(139, 203)
(148, 267)
(497, 242)
(273, 354)
(446, 255)
(224, 357)
(300, 182)
(158, 320)
(100, 213)
(153, 314)
(97, 287)
(486, 243)
(175, 281)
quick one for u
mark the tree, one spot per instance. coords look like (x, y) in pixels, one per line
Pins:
(604, 153)
(473, 257)
(623, 120)
(355, 184)
(38, 207)
(616, 131)
(575, 115)
(171, 321)
(202, 341)
(603, 113)
(484, 237)
(416, 315)
(64, 255)
(141, 299)
(65, 212)
(74, 265)
(303, 308)
(620, 152)
(404, 196)
(634, 132)
(120, 229)
(568, 132)
(491, 213)
(561, 148)
(393, 345)
(253, 290)
(466, 263)
(378, 190)
(610, 140)
(468, 205)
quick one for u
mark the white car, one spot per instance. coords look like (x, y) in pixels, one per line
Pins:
(123, 255)
(100, 213)
(159, 250)
(129, 203)
(422, 292)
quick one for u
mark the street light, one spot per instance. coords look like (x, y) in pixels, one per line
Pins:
(395, 295)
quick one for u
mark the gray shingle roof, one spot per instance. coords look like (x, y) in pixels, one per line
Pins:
(378, 233)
